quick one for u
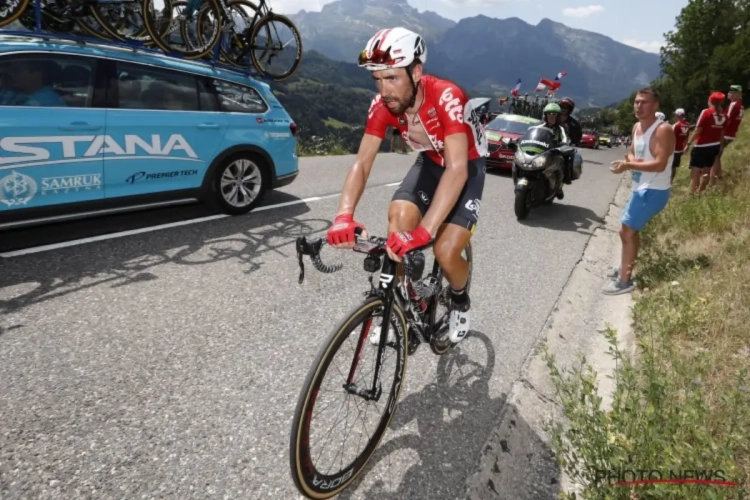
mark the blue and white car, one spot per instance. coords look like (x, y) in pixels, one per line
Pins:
(95, 125)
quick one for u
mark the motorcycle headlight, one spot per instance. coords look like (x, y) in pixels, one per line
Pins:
(540, 161)
(520, 157)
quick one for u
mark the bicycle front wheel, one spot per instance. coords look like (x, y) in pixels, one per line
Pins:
(276, 37)
(311, 476)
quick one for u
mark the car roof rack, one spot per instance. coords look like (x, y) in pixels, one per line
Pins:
(125, 46)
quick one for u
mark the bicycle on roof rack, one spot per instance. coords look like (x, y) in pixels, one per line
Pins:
(233, 32)
(413, 319)
(251, 33)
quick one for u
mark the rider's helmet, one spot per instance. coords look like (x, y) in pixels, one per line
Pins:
(552, 107)
(567, 103)
(393, 48)
(660, 116)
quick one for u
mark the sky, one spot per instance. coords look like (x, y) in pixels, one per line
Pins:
(640, 23)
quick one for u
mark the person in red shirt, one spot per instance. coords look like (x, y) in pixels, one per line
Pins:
(441, 194)
(734, 118)
(708, 138)
(681, 132)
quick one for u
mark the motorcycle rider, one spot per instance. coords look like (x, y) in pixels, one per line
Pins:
(574, 130)
(552, 119)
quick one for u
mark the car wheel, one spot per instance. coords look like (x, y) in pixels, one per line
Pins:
(239, 184)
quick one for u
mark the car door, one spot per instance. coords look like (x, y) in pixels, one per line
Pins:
(165, 130)
(49, 130)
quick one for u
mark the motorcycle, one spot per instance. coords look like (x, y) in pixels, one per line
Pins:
(538, 169)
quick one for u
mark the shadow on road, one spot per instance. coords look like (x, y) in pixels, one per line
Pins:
(455, 415)
(35, 278)
(561, 217)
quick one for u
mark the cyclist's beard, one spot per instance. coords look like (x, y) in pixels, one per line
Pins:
(403, 104)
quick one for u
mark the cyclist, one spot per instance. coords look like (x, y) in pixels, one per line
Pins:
(575, 132)
(441, 194)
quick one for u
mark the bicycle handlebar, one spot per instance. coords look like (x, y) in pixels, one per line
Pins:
(312, 249)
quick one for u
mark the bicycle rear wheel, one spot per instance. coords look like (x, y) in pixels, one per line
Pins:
(442, 344)
(306, 467)
(12, 11)
(266, 43)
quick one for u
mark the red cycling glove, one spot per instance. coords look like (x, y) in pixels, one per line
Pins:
(342, 230)
(406, 241)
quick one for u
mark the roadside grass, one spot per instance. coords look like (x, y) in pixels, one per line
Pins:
(683, 405)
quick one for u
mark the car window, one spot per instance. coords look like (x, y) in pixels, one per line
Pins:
(237, 98)
(146, 87)
(46, 80)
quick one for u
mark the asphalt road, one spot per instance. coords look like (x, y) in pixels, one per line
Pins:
(168, 364)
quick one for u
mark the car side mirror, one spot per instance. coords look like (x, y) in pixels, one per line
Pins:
(512, 146)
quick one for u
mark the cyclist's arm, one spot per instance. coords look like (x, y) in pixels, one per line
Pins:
(451, 182)
(356, 179)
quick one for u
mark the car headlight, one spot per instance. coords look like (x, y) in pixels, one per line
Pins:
(506, 140)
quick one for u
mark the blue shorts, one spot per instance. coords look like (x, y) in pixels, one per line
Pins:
(644, 206)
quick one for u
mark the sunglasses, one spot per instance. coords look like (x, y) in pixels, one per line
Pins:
(378, 57)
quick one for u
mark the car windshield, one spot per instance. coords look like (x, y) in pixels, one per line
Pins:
(504, 125)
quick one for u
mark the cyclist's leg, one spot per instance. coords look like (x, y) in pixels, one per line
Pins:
(407, 207)
(451, 240)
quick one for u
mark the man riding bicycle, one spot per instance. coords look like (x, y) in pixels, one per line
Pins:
(441, 194)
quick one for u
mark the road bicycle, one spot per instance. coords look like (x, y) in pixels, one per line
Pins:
(104, 19)
(239, 27)
(413, 319)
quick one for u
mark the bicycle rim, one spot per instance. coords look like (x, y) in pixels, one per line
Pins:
(232, 45)
(11, 15)
(308, 479)
(265, 38)
(98, 12)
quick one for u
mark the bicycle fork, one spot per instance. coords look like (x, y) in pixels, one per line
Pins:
(386, 290)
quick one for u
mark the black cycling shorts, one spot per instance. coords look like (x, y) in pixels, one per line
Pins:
(422, 180)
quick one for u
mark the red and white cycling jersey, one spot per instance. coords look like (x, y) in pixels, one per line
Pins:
(446, 110)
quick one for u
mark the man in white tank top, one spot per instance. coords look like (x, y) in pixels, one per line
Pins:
(649, 158)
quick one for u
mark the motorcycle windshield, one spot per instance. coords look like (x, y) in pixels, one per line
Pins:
(537, 140)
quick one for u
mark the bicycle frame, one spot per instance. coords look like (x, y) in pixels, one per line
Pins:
(374, 249)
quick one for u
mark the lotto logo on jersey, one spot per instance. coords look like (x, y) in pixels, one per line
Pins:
(374, 103)
(452, 105)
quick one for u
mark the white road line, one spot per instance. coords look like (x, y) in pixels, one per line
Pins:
(121, 234)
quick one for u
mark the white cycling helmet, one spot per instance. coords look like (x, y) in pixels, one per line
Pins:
(679, 111)
(393, 48)
(660, 116)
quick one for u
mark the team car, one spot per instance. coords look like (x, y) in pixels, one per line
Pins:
(93, 124)
(501, 130)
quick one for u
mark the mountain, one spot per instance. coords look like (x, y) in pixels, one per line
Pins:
(488, 54)
(341, 29)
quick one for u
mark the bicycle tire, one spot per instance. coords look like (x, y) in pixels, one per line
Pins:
(440, 348)
(225, 57)
(111, 31)
(158, 38)
(13, 16)
(307, 479)
(263, 23)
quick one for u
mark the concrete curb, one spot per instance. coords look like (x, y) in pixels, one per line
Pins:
(516, 461)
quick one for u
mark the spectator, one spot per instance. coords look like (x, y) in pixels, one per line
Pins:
(734, 118)
(681, 132)
(708, 138)
(648, 157)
